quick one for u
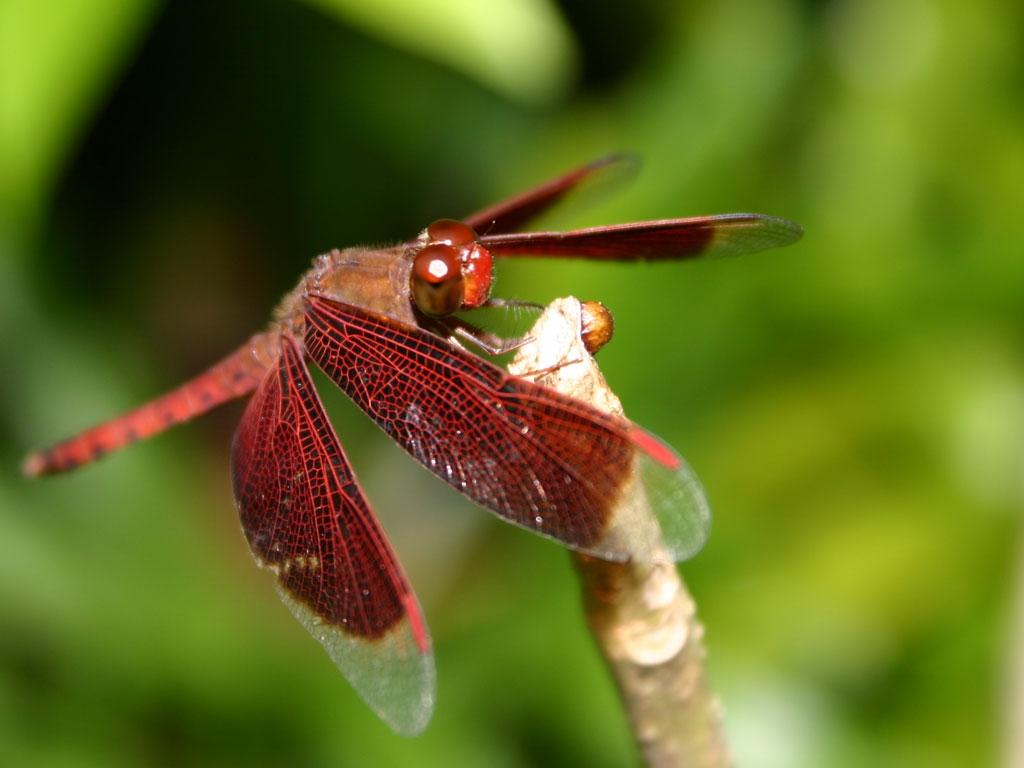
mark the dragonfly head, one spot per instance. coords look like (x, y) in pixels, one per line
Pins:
(451, 270)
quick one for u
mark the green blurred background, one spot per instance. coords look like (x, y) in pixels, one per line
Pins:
(853, 404)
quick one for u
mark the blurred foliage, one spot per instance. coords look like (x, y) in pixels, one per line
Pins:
(854, 404)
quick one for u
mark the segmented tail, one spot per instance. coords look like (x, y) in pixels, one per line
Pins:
(234, 376)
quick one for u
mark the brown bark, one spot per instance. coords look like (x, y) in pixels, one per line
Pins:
(640, 613)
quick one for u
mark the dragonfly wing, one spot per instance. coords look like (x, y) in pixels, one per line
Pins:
(512, 214)
(668, 239)
(537, 458)
(307, 519)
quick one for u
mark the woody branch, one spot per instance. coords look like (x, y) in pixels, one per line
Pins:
(640, 613)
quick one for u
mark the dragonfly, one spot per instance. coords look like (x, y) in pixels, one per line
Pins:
(386, 325)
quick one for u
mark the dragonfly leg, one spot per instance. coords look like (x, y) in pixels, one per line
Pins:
(498, 303)
(490, 343)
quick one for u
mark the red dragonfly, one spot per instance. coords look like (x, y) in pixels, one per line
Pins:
(380, 322)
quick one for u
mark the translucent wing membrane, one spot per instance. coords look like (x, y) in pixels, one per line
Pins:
(727, 235)
(306, 518)
(674, 495)
(512, 214)
(537, 458)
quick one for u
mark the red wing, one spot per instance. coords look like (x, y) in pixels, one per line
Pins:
(537, 458)
(510, 215)
(307, 519)
(726, 235)
(234, 376)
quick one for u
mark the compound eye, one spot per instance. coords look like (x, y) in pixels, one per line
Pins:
(451, 232)
(437, 283)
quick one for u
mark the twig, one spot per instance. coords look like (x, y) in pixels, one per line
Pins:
(642, 617)
(1014, 721)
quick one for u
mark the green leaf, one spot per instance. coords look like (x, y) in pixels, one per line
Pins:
(56, 57)
(519, 48)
